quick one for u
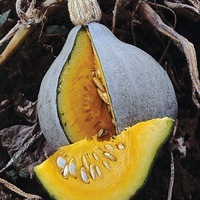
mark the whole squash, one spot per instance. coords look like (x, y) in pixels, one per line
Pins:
(101, 85)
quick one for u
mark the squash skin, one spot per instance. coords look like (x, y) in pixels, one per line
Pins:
(47, 97)
(127, 175)
(143, 98)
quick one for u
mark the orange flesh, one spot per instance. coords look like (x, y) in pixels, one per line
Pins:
(82, 112)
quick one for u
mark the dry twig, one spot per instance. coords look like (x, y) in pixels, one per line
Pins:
(118, 4)
(19, 191)
(182, 43)
(184, 9)
(24, 26)
(172, 173)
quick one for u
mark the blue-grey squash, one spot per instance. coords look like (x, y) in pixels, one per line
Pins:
(101, 85)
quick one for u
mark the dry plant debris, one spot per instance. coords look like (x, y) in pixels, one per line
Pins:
(28, 20)
(168, 30)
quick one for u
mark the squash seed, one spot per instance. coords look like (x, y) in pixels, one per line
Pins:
(110, 156)
(97, 72)
(120, 146)
(102, 132)
(109, 108)
(106, 165)
(85, 162)
(109, 147)
(61, 162)
(84, 175)
(73, 168)
(66, 171)
(95, 156)
(98, 170)
(103, 96)
(92, 172)
(99, 84)
(113, 121)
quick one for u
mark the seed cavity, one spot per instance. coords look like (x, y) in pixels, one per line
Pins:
(85, 162)
(84, 175)
(99, 84)
(73, 168)
(61, 162)
(98, 170)
(120, 146)
(109, 147)
(92, 171)
(95, 156)
(106, 165)
(66, 171)
(110, 156)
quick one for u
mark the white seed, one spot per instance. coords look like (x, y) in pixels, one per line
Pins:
(103, 96)
(92, 171)
(84, 175)
(120, 146)
(109, 147)
(73, 168)
(97, 73)
(99, 84)
(98, 170)
(66, 171)
(95, 156)
(110, 156)
(102, 132)
(85, 162)
(113, 121)
(109, 108)
(106, 165)
(61, 162)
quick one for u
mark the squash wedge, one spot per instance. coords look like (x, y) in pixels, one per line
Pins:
(107, 170)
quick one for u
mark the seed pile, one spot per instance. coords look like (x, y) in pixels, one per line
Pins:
(102, 93)
(88, 170)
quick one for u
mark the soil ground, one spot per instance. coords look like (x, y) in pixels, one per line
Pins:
(21, 75)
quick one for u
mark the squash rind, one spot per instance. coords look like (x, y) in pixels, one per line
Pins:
(47, 97)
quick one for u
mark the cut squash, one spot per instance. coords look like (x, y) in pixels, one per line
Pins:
(99, 85)
(106, 170)
(82, 112)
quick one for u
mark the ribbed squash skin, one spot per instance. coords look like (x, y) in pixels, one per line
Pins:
(126, 175)
(138, 87)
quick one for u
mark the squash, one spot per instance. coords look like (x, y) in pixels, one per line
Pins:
(100, 85)
(107, 170)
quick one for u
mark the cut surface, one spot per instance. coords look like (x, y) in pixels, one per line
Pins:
(114, 169)
(81, 110)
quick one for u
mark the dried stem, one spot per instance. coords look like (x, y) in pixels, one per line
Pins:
(84, 11)
(182, 43)
(172, 173)
(24, 26)
(184, 9)
(115, 14)
(18, 191)
(118, 4)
